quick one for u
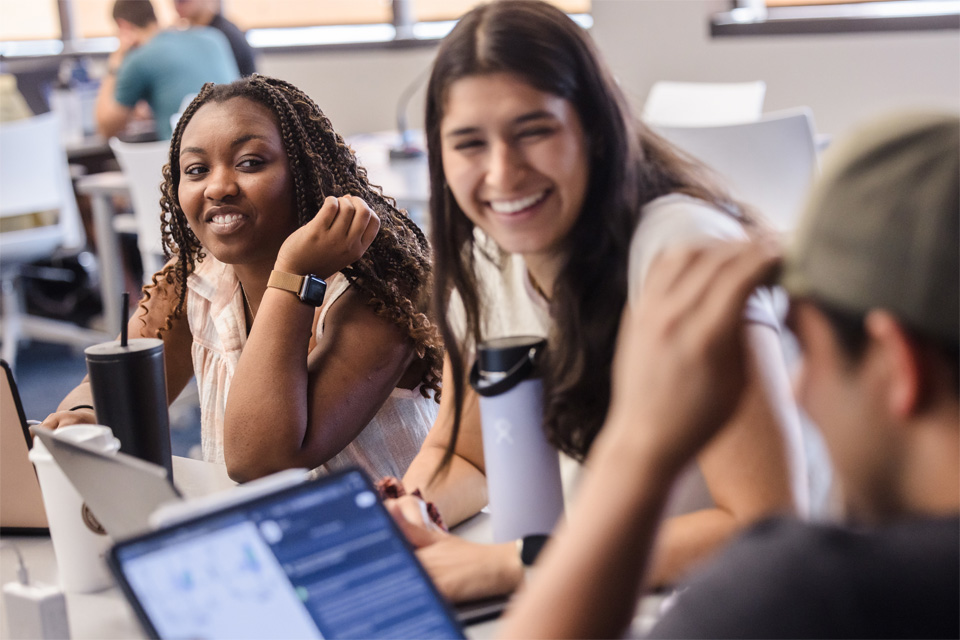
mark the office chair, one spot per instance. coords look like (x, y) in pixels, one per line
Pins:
(142, 164)
(768, 164)
(34, 178)
(703, 104)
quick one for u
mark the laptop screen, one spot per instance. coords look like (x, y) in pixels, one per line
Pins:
(21, 503)
(319, 560)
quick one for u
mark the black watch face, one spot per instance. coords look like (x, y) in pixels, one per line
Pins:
(531, 547)
(313, 290)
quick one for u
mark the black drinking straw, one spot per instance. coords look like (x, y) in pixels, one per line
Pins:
(123, 318)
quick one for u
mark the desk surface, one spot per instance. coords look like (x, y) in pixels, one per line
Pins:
(108, 182)
(107, 615)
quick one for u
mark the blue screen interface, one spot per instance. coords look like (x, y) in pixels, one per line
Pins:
(320, 561)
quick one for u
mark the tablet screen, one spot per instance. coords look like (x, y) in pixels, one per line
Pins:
(319, 560)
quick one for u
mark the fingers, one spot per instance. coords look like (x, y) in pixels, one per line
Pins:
(349, 217)
(734, 273)
(413, 526)
(328, 213)
(349, 206)
(692, 296)
(65, 418)
(370, 229)
(688, 281)
(413, 510)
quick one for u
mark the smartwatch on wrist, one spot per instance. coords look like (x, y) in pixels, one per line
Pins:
(529, 548)
(309, 288)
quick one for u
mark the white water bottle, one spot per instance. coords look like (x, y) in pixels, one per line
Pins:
(522, 467)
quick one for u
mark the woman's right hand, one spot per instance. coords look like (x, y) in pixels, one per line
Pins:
(461, 570)
(337, 236)
(66, 418)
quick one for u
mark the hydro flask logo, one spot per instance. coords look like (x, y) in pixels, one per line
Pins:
(503, 428)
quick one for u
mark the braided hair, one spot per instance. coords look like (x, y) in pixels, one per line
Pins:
(395, 271)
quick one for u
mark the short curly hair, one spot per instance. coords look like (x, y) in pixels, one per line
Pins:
(395, 271)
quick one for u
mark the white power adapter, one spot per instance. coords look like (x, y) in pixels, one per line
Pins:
(35, 611)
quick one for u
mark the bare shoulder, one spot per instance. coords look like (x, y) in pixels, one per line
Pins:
(354, 331)
(352, 312)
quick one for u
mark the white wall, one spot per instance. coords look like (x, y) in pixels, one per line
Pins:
(843, 78)
(358, 90)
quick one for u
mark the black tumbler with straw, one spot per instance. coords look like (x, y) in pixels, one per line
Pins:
(130, 394)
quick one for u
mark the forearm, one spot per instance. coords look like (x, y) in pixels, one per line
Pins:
(459, 493)
(82, 394)
(587, 581)
(687, 540)
(747, 472)
(111, 116)
(266, 416)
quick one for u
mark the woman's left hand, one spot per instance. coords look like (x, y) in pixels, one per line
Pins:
(337, 236)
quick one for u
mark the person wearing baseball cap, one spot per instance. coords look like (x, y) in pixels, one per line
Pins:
(873, 275)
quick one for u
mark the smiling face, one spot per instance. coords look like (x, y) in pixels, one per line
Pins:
(515, 158)
(236, 187)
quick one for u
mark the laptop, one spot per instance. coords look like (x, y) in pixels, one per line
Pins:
(321, 559)
(130, 496)
(122, 491)
(21, 503)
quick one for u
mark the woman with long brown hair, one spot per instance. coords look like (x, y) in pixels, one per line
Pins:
(293, 292)
(549, 201)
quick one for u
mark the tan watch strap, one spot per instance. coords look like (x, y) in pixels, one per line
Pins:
(286, 281)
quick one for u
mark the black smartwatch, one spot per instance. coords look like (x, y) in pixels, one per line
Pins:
(530, 547)
(309, 288)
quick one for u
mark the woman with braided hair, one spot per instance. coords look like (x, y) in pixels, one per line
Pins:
(293, 292)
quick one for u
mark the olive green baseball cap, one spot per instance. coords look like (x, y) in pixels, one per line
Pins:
(881, 230)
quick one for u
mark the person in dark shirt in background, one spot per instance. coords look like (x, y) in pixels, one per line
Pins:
(206, 13)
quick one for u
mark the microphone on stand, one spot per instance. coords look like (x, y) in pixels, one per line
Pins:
(408, 147)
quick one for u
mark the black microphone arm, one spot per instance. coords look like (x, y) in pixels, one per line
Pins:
(408, 147)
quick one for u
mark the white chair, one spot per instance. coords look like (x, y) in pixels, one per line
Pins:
(34, 178)
(768, 164)
(142, 165)
(703, 104)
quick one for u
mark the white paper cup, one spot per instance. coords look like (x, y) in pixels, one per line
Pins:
(79, 542)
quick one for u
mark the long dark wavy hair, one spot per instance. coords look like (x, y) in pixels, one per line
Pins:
(629, 167)
(396, 270)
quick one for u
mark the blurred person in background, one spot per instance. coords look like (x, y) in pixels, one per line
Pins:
(158, 66)
(206, 13)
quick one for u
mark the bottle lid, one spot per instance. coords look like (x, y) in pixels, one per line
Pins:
(136, 348)
(503, 363)
(500, 355)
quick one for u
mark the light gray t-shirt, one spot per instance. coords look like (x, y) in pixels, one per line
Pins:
(510, 306)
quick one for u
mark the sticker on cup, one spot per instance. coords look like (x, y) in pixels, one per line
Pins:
(91, 521)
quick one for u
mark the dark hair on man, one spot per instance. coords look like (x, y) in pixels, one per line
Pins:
(138, 12)
(395, 272)
(850, 332)
(629, 167)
